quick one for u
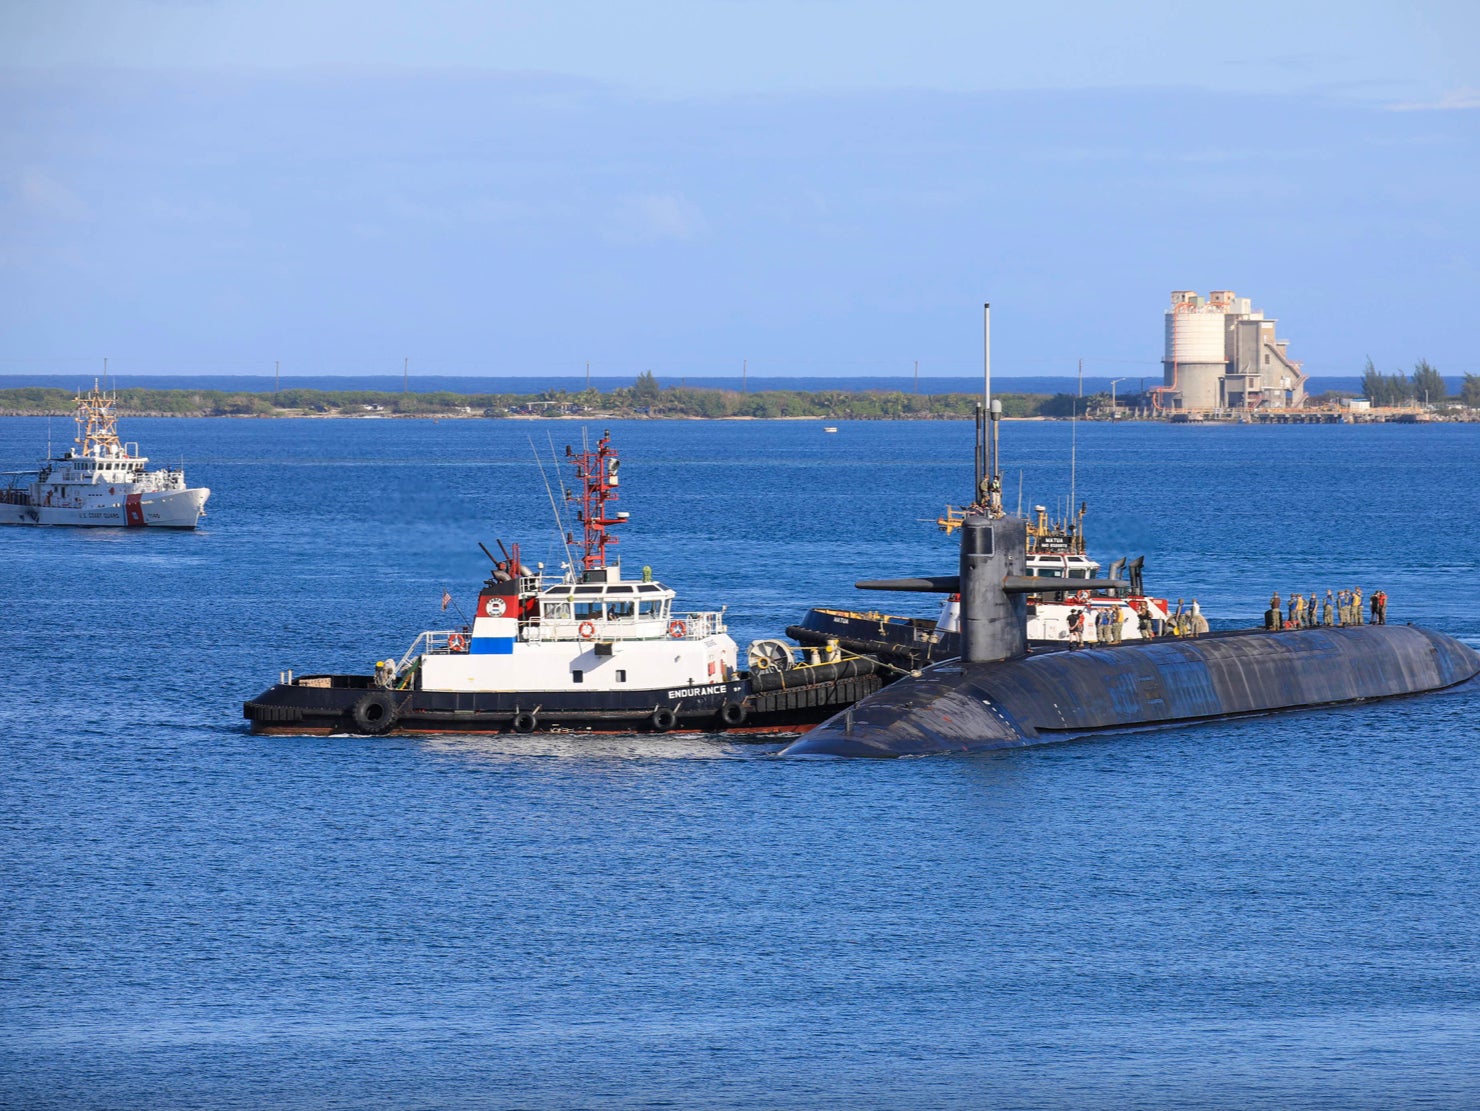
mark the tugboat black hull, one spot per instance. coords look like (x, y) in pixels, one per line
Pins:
(1041, 699)
(355, 704)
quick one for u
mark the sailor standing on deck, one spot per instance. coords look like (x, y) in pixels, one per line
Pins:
(1117, 622)
(1199, 622)
(1326, 618)
(1357, 615)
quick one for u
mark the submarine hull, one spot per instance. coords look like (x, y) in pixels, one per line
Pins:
(971, 707)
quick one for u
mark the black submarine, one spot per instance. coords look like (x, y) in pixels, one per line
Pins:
(997, 695)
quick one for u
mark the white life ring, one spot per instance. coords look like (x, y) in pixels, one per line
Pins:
(457, 643)
(677, 629)
(587, 630)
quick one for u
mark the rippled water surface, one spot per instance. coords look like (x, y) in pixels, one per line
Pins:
(1281, 912)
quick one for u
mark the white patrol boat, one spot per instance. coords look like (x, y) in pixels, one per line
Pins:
(100, 481)
(594, 651)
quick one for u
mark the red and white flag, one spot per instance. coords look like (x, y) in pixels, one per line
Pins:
(446, 600)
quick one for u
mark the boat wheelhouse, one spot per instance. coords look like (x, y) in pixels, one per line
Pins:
(1056, 550)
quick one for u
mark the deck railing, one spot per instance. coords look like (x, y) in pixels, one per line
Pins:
(679, 626)
(434, 642)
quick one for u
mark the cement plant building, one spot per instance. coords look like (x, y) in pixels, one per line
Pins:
(1220, 354)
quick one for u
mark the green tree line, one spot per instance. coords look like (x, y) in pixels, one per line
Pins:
(1426, 385)
(645, 397)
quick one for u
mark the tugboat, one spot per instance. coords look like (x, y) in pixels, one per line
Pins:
(1055, 550)
(100, 481)
(592, 652)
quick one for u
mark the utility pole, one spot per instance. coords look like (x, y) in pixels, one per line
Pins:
(406, 375)
(917, 375)
(277, 379)
(588, 375)
(1113, 409)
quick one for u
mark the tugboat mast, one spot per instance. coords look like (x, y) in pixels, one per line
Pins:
(597, 471)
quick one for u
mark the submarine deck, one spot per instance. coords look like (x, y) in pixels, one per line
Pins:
(1046, 697)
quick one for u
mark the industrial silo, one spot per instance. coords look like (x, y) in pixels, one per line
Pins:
(1195, 360)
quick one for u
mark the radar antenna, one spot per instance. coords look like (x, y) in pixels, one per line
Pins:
(597, 471)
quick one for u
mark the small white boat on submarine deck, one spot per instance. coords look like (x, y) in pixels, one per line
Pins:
(1056, 550)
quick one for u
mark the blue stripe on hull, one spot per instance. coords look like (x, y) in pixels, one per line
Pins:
(491, 646)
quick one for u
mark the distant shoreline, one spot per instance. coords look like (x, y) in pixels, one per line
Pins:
(1374, 416)
(646, 400)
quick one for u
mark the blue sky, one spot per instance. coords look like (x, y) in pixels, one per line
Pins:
(817, 187)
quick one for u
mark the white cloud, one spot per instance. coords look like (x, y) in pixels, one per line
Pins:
(46, 197)
(1454, 100)
(655, 217)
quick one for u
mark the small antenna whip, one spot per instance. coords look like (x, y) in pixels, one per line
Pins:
(559, 524)
(555, 462)
(1074, 439)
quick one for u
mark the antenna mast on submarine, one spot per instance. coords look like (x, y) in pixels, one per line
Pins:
(989, 476)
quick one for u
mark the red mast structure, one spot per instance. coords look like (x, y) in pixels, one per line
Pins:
(597, 471)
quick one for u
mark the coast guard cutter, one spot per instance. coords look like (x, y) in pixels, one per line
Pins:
(100, 481)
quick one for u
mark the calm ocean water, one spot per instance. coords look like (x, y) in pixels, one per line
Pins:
(1278, 913)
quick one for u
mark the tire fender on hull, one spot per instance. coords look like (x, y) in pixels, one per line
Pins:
(374, 713)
